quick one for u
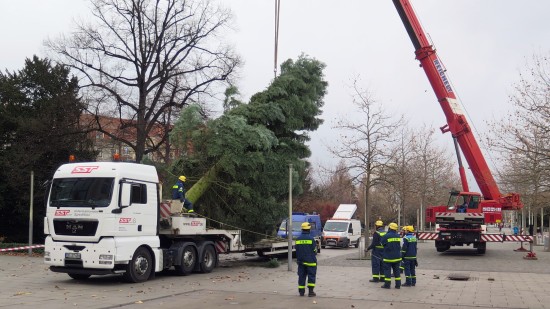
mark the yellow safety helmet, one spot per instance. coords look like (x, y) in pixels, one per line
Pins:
(410, 228)
(379, 223)
(393, 226)
(306, 226)
(182, 178)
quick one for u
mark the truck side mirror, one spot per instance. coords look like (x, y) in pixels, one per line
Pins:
(125, 195)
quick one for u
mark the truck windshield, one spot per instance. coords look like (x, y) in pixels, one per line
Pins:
(81, 192)
(336, 227)
(296, 226)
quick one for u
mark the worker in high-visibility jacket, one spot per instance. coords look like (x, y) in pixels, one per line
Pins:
(391, 256)
(178, 194)
(306, 257)
(408, 252)
(377, 249)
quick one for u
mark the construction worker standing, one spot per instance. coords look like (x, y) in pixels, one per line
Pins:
(391, 256)
(178, 193)
(409, 256)
(377, 250)
(306, 250)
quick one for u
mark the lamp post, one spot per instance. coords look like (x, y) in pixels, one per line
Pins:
(289, 221)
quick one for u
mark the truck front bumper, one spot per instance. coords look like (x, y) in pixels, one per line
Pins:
(335, 241)
(81, 258)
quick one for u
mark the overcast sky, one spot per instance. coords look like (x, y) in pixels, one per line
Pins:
(484, 45)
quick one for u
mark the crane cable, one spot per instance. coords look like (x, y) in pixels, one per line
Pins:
(277, 10)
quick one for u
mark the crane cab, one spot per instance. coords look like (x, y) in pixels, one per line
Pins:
(464, 202)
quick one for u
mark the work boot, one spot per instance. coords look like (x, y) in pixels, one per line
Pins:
(386, 286)
(374, 280)
(398, 287)
(311, 293)
(302, 292)
(407, 284)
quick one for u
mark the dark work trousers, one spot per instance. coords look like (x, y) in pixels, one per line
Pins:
(306, 271)
(377, 265)
(410, 271)
(388, 267)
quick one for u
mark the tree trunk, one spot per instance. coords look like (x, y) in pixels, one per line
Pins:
(197, 190)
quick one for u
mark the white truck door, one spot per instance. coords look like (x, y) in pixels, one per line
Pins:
(139, 217)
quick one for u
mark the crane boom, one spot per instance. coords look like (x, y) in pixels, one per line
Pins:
(456, 120)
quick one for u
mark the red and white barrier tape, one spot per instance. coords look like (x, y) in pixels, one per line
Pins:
(21, 248)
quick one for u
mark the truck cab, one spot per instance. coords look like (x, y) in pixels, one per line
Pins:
(341, 233)
(341, 230)
(297, 219)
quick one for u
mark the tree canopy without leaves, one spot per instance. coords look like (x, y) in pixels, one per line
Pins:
(522, 137)
(144, 60)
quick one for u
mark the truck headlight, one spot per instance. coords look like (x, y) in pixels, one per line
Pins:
(106, 259)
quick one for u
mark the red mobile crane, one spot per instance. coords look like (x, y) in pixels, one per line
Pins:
(462, 220)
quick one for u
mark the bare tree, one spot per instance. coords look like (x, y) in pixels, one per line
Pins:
(522, 137)
(433, 172)
(363, 146)
(398, 172)
(144, 60)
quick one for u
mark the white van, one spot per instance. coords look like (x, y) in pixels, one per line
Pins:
(341, 233)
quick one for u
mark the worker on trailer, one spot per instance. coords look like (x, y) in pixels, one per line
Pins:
(408, 252)
(377, 250)
(391, 256)
(306, 257)
(178, 193)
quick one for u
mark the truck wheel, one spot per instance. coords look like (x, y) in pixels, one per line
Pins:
(188, 260)
(79, 276)
(481, 248)
(357, 244)
(323, 247)
(140, 267)
(208, 261)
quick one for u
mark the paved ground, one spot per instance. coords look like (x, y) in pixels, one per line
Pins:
(500, 279)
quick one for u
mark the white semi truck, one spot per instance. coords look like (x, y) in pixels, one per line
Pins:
(108, 218)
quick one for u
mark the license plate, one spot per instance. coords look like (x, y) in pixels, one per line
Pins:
(72, 255)
(445, 234)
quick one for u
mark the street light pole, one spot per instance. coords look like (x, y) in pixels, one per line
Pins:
(31, 206)
(289, 221)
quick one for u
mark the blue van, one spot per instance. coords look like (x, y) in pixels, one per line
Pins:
(297, 219)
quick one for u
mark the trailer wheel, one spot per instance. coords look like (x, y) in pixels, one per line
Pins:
(208, 261)
(188, 261)
(79, 276)
(140, 267)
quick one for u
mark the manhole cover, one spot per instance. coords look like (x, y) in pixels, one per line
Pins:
(460, 277)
